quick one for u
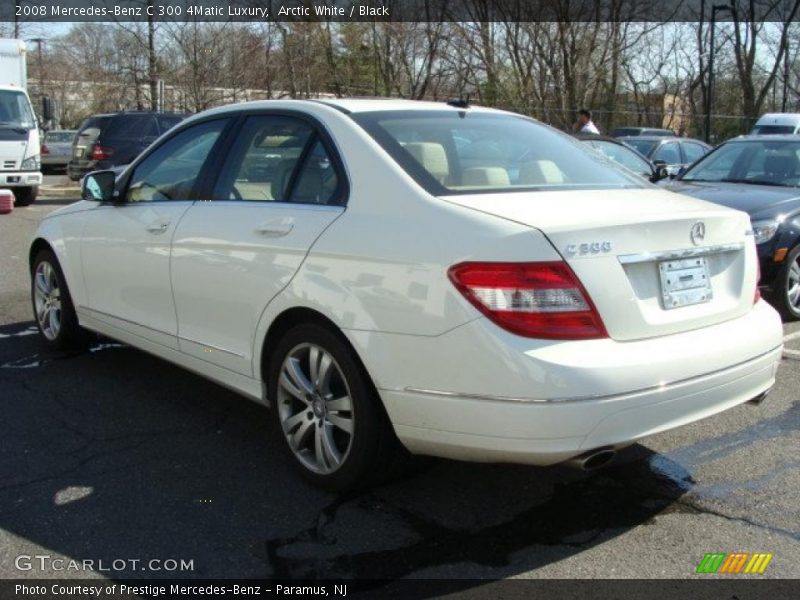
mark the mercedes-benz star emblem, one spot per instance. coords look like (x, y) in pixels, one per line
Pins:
(698, 233)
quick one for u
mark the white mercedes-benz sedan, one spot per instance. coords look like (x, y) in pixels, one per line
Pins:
(395, 276)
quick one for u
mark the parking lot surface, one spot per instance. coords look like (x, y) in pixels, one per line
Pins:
(113, 454)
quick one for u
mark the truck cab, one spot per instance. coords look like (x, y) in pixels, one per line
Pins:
(20, 164)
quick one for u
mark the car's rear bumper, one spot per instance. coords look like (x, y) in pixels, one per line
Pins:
(579, 396)
(479, 429)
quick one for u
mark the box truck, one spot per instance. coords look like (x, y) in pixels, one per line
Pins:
(20, 165)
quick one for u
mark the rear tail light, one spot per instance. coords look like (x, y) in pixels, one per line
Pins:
(101, 152)
(539, 300)
(44, 150)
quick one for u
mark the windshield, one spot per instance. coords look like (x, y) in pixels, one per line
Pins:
(59, 136)
(772, 129)
(644, 147)
(457, 152)
(15, 110)
(623, 155)
(761, 162)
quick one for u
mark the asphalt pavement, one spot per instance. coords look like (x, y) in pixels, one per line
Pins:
(113, 455)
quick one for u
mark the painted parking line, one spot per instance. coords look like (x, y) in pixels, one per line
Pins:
(791, 336)
(791, 353)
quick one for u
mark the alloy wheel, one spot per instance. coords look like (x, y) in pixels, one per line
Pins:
(793, 284)
(47, 300)
(315, 408)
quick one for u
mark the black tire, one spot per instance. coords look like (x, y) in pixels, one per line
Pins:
(786, 279)
(69, 336)
(374, 452)
(25, 196)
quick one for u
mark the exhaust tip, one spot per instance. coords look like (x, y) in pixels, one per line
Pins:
(758, 399)
(594, 459)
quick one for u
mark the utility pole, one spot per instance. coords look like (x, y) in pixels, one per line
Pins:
(151, 57)
(710, 96)
(40, 61)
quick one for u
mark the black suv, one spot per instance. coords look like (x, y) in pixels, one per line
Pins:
(109, 140)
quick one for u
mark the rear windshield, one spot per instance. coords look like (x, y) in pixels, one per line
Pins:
(59, 136)
(462, 152)
(772, 129)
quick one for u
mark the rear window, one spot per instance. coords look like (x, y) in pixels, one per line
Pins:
(772, 129)
(459, 152)
(59, 136)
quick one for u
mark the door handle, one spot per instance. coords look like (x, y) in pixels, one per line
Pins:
(275, 228)
(158, 227)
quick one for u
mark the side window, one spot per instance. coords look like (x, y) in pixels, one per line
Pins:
(278, 159)
(693, 152)
(131, 127)
(669, 153)
(170, 172)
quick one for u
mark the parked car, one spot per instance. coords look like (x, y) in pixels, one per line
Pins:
(338, 260)
(632, 131)
(624, 155)
(110, 140)
(675, 153)
(56, 149)
(777, 123)
(762, 177)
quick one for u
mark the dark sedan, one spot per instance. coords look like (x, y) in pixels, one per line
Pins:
(673, 152)
(624, 155)
(759, 175)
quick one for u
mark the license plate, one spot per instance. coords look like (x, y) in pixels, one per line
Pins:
(685, 282)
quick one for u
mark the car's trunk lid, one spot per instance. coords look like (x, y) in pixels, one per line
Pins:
(635, 254)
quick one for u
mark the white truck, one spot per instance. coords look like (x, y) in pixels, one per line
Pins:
(20, 164)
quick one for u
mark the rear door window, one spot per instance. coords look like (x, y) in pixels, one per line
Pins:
(279, 159)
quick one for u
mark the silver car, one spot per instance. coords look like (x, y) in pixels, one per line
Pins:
(57, 149)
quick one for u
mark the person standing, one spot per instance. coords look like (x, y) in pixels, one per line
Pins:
(585, 123)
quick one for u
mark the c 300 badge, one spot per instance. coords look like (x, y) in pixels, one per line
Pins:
(589, 248)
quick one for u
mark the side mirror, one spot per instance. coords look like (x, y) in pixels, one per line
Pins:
(98, 186)
(659, 173)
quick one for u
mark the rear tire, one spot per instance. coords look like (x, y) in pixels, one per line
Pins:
(25, 196)
(52, 305)
(787, 293)
(327, 412)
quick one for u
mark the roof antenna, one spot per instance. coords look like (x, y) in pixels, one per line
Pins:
(459, 102)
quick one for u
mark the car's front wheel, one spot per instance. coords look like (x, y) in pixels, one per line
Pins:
(52, 304)
(328, 412)
(788, 290)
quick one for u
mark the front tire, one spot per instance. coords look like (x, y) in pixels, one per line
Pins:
(327, 412)
(787, 297)
(52, 305)
(25, 196)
